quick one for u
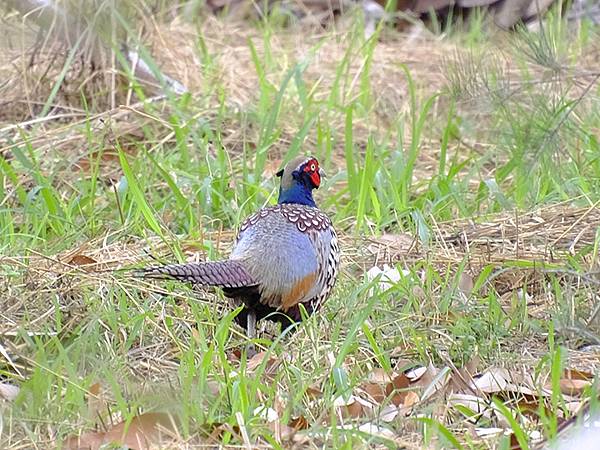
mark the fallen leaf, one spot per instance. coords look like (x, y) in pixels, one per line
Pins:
(399, 382)
(411, 398)
(494, 379)
(143, 432)
(8, 391)
(380, 376)
(258, 359)
(376, 430)
(432, 381)
(465, 283)
(389, 413)
(573, 387)
(313, 392)
(416, 373)
(398, 387)
(389, 276)
(299, 423)
(488, 432)
(216, 430)
(82, 260)
(478, 405)
(350, 407)
(268, 414)
(375, 391)
(95, 403)
(574, 407)
(471, 367)
(353, 410)
(575, 374)
(235, 355)
(282, 432)
(530, 406)
(514, 442)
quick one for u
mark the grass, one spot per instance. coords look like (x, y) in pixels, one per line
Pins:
(417, 144)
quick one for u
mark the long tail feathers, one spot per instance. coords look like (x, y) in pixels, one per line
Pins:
(227, 274)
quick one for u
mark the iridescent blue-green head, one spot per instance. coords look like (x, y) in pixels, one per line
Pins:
(298, 179)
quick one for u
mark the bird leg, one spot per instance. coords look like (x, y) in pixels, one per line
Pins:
(251, 330)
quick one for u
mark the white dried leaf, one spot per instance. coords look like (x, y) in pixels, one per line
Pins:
(8, 391)
(341, 401)
(376, 430)
(488, 432)
(389, 276)
(268, 414)
(439, 379)
(476, 404)
(494, 379)
(389, 413)
(415, 373)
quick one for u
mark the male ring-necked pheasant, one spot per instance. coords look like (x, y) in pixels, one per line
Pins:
(285, 255)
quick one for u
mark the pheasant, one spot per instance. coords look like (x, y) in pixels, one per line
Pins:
(285, 255)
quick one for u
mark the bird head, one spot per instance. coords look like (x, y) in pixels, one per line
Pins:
(298, 178)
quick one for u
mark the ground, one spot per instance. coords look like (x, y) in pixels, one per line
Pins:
(467, 162)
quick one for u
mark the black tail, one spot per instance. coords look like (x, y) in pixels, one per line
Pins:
(225, 274)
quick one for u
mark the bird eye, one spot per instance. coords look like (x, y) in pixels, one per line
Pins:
(312, 167)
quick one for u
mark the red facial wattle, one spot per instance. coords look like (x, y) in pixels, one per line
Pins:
(312, 169)
(315, 178)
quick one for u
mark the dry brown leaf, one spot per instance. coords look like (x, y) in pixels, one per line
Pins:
(463, 378)
(299, 423)
(95, 403)
(313, 392)
(465, 283)
(398, 387)
(575, 374)
(401, 351)
(432, 381)
(82, 260)
(8, 391)
(375, 391)
(353, 410)
(216, 430)
(143, 432)
(235, 355)
(399, 382)
(380, 376)
(411, 398)
(472, 366)
(573, 387)
(282, 432)
(514, 442)
(350, 407)
(258, 359)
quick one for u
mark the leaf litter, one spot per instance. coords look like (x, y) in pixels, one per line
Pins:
(140, 433)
